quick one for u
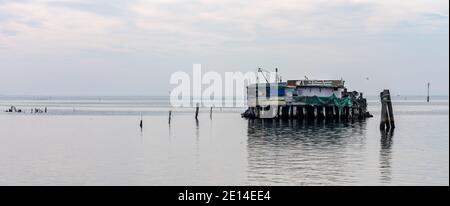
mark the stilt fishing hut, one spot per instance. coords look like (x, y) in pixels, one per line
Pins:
(305, 99)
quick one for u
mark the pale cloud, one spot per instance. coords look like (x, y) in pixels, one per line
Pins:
(110, 39)
(41, 28)
(169, 24)
(415, 13)
(216, 24)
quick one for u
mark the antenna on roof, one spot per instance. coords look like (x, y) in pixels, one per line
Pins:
(262, 72)
(276, 75)
(257, 75)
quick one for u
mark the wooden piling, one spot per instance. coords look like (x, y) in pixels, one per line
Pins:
(196, 111)
(384, 124)
(210, 113)
(141, 123)
(332, 113)
(352, 113)
(311, 114)
(285, 112)
(304, 112)
(299, 112)
(338, 113)
(319, 112)
(291, 112)
(278, 111)
(316, 113)
(390, 110)
(346, 113)
(296, 112)
(170, 116)
(387, 115)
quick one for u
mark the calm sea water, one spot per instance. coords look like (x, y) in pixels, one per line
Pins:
(97, 141)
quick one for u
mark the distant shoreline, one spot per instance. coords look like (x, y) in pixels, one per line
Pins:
(46, 97)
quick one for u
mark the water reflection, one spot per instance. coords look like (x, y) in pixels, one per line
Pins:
(386, 155)
(299, 152)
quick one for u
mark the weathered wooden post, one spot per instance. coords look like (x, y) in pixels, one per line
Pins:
(279, 112)
(210, 113)
(295, 112)
(170, 116)
(352, 113)
(390, 110)
(299, 112)
(387, 114)
(349, 112)
(141, 124)
(196, 111)
(324, 112)
(285, 112)
(384, 124)
(291, 112)
(334, 112)
(344, 113)
(305, 112)
(339, 112)
(316, 113)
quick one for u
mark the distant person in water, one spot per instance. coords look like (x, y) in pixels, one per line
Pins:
(45, 110)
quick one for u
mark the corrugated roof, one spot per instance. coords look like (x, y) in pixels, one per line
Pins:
(316, 83)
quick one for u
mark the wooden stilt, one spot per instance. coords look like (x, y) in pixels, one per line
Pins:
(141, 123)
(300, 112)
(315, 112)
(387, 115)
(170, 116)
(210, 113)
(196, 111)
(285, 112)
(305, 112)
(345, 113)
(295, 112)
(338, 113)
(384, 124)
(291, 112)
(278, 111)
(351, 112)
(390, 111)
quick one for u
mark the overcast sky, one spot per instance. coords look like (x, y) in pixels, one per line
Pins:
(111, 47)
